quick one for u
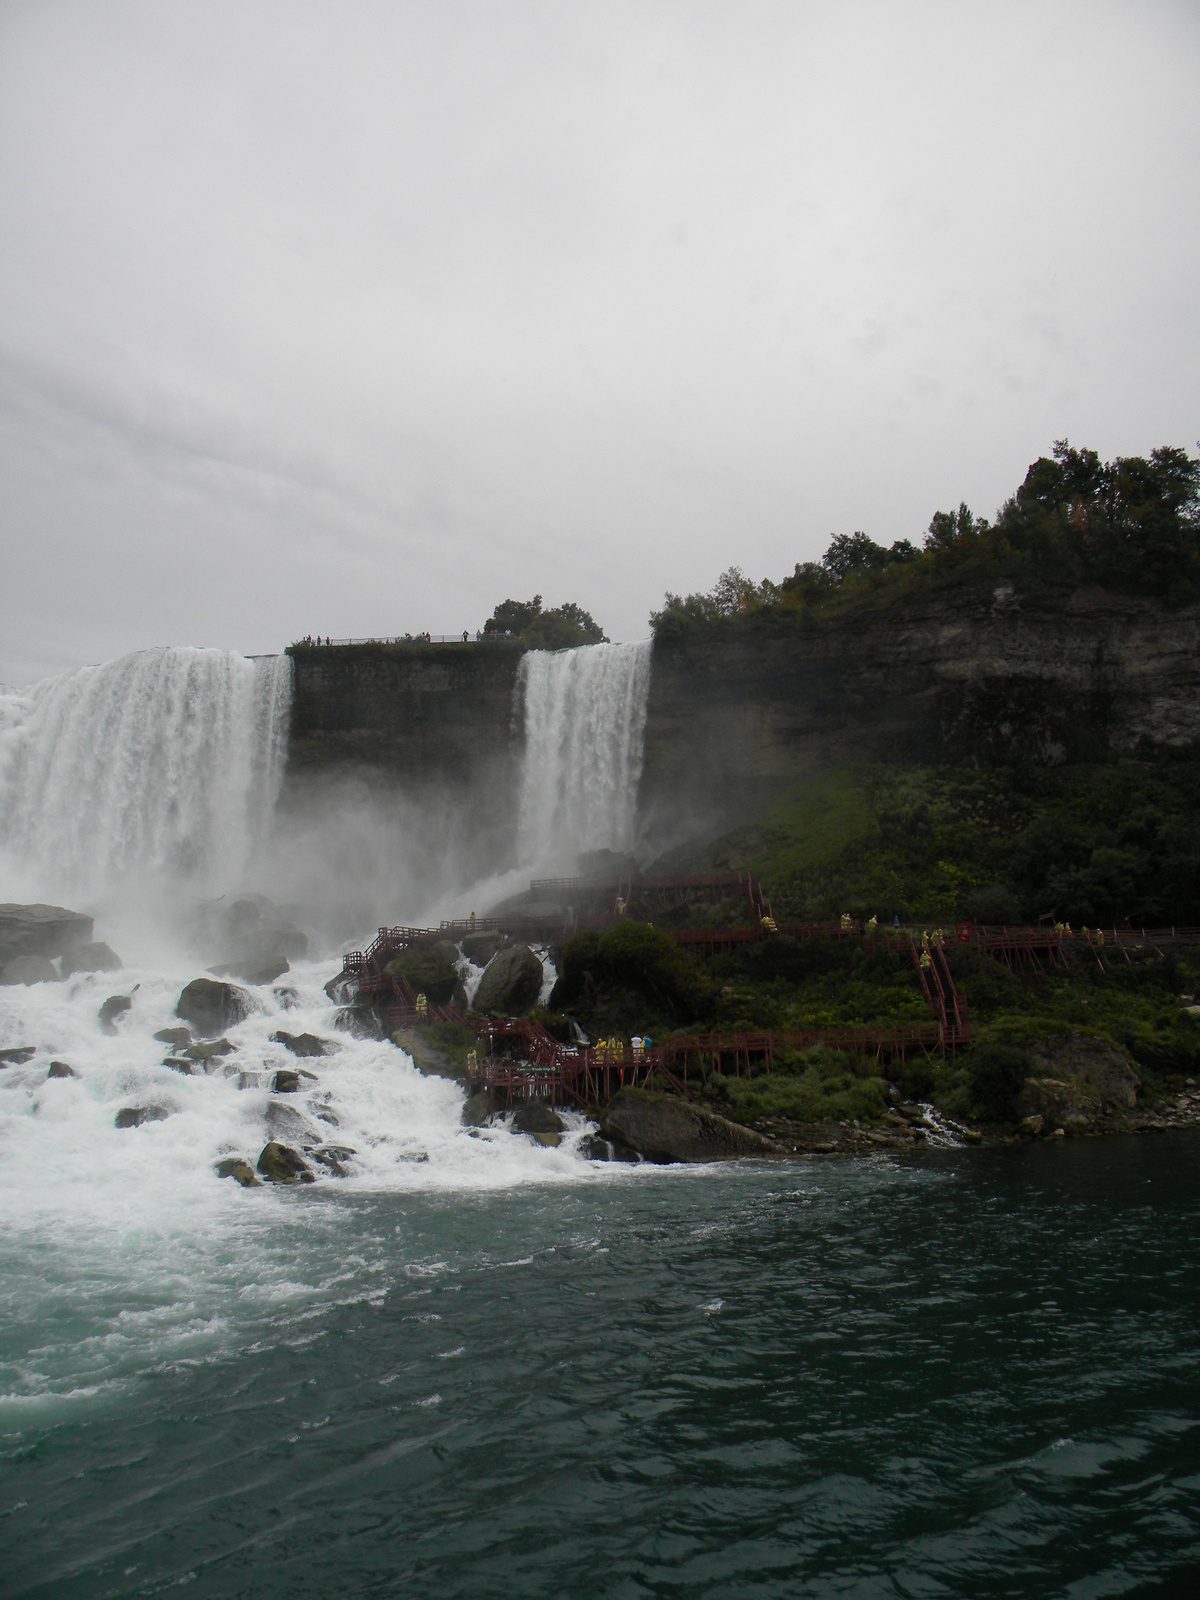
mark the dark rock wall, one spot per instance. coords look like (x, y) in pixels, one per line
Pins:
(433, 723)
(977, 676)
(737, 717)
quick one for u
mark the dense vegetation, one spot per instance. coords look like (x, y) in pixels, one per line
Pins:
(563, 628)
(1131, 524)
(1086, 845)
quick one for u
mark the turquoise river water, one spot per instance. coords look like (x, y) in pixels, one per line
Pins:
(960, 1373)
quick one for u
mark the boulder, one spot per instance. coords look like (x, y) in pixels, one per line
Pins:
(341, 989)
(477, 1110)
(17, 1054)
(429, 969)
(1031, 1126)
(115, 1006)
(259, 970)
(535, 1116)
(211, 1006)
(662, 1128)
(283, 1122)
(428, 1059)
(511, 982)
(1060, 1104)
(175, 1036)
(180, 1064)
(479, 948)
(96, 957)
(208, 1048)
(38, 930)
(134, 1116)
(328, 1158)
(550, 1140)
(304, 1044)
(594, 1148)
(1080, 1058)
(242, 1171)
(278, 1163)
(28, 970)
(286, 1083)
(363, 1022)
(60, 1069)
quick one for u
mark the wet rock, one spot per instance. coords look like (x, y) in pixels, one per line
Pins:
(285, 1123)
(428, 1058)
(1060, 1104)
(1031, 1126)
(96, 957)
(257, 971)
(329, 1160)
(29, 970)
(278, 1163)
(115, 1006)
(211, 1006)
(60, 1069)
(479, 948)
(40, 930)
(663, 1129)
(550, 1140)
(363, 1022)
(134, 1116)
(1059, 1133)
(304, 1044)
(287, 998)
(341, 989)
(323, 1114)
(175, 1036)
(535, 1116)
(593, 1148)
(16, 1055)
(430, 970)
(511, 982)
(477, 1110)
(285, 1082)
(234, 1167)
(1080, 1058)
(180, 1064)
(208, 1048)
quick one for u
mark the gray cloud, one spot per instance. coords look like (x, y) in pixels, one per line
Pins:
(361, 318)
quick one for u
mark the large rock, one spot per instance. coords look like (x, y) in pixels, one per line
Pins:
(283, 1122)
(535, 1116)
(61, 1069)
(1080, 1058)
(477, 1110)
(235, 1167)
(279, 1164)
(511, 983)
(430, 969)
(1059, 1105)
(28, 970)
(17, 1054)
(134, 1116)
(305, 1044)
(663, 1129)
(479, 948)
(212, 1006)
(39, 930)
(115, 1006)
(96, 957)
(427, 1057)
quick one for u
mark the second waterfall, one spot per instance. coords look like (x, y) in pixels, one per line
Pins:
(585, 717)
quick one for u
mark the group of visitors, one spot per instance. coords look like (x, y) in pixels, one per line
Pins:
(318, 640)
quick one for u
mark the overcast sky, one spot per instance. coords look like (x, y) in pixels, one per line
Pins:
(360, 317)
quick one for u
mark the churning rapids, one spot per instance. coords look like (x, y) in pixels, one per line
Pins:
(478, 1367)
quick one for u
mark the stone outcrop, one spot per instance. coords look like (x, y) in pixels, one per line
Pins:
(17, 1054)
(29, 970)
(211, 1006)
(238, 1169)
(429, 969)
(135, 1116)
(112, 1010)
(40, 930)
(511, 982)
(973, 674)
(428, 1058)
(1081, 1058)
(60, 1069)
(1058, 1104)
(93, 957)
(477, 1110)
(278, 1163)
(664, 1129)
(304, 1044)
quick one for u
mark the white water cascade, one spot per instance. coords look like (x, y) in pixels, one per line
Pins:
(165, 762)
(585, 717)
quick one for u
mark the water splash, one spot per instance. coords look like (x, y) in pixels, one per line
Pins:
(167, 761)
(585, 717)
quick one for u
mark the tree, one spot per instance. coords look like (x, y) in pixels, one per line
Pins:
(564, 628)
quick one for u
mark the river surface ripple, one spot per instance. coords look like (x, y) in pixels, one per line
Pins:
(964, 1373)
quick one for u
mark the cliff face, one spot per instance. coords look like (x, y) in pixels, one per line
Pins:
(738, 716)
(966, 676)
(433, 724)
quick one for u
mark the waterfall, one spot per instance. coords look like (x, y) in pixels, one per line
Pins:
(585, 716)
(168, 761)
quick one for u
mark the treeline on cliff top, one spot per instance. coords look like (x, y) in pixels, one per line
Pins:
(562, 628)
(1131, 524)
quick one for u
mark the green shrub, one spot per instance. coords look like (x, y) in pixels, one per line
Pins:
(996, 1073)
